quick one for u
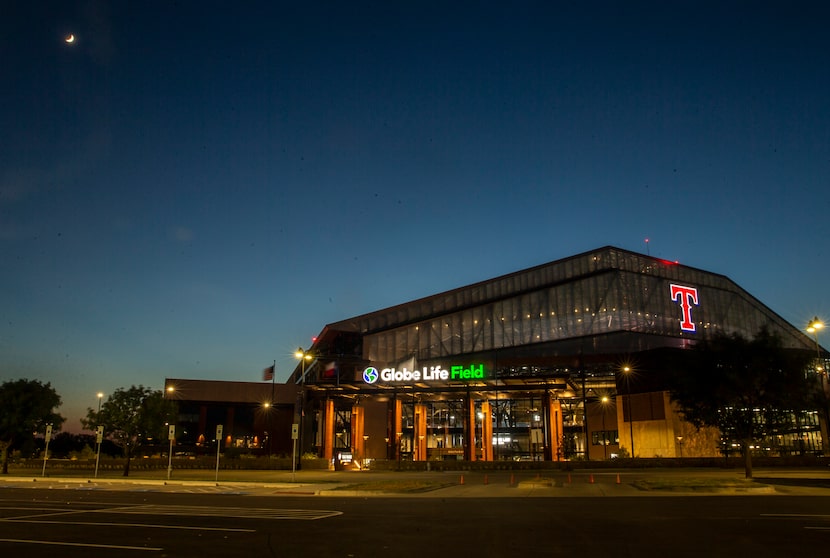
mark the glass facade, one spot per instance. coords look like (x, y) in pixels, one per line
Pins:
(604, 292)
(512, 423)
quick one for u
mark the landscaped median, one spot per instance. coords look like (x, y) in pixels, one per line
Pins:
(705, 485)
(385, 487)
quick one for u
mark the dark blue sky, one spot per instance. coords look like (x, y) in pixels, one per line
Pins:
(194, 189)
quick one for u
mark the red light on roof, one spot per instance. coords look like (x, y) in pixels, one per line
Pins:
(667, 262)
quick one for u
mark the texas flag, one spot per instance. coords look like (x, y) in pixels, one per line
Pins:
(330, 370)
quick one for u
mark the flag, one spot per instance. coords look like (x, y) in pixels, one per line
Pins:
(268, 374)
(330, 370)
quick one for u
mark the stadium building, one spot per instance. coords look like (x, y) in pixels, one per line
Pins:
(560, 361)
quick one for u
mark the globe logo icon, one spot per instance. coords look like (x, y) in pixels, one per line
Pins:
(370, 375)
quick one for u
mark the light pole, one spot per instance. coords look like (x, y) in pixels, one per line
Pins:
(267, 408)
(604, 403)
(627, 371)
(813, 327)
(47, 437)
(171, 436)
(99, 433)
(304, 356)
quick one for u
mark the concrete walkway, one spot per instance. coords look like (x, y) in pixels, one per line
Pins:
(498, 484)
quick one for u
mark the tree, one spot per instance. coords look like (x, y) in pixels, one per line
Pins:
(747, 389)
(26, 407)
(132, 417)
(67, 445)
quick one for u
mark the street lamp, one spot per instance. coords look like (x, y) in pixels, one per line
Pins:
(813, 327)
(303, 356)
(604, 403)
(266, 442)
(627, 371)
(99, 433)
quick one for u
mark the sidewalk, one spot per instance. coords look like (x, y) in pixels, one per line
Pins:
(499, 484)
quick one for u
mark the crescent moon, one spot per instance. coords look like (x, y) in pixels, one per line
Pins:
(70, 38)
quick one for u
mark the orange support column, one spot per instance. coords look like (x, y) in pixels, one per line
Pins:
(328, 430)
(471, 430)
(555, 428)
(486, 432)
(420, 433)
(397, 422)
(357, 433)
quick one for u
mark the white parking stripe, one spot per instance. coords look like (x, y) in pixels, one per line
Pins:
(810, 515)
(85, 545)
(114, 524)
(65, 512)
(150, 509)
(210, 511)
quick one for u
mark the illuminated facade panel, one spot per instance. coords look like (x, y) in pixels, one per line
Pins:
(599, 293)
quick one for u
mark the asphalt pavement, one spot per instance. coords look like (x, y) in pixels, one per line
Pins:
(678, 513)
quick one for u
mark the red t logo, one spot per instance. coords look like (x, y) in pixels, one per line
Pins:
(685, 296)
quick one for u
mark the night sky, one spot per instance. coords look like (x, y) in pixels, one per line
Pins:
(194, 189)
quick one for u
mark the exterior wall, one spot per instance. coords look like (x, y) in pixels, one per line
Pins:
(693, 442)
(256, 417)
(659, 437)
(602, 418)
(376, 416)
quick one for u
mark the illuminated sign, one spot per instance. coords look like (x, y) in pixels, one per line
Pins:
(686, 297)
(474, 372)
(372, 375)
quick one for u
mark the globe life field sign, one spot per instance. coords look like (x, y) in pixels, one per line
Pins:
(456, 373)
(473, 372)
